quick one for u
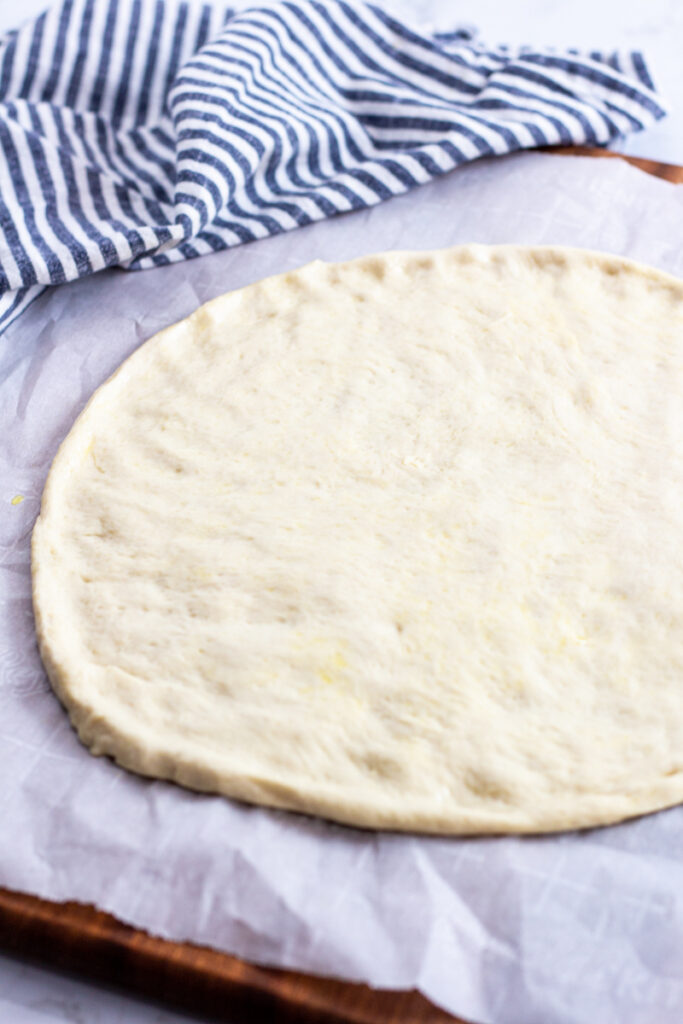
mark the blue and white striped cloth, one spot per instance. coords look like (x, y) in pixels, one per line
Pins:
(140, 132)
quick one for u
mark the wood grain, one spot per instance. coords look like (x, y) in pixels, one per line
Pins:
(83, 940)
(80, 939)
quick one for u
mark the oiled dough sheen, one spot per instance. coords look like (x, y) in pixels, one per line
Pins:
(398, 542)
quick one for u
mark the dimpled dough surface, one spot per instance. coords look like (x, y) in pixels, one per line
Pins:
(398, 542)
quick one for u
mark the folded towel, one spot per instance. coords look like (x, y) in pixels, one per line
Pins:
(140, 132)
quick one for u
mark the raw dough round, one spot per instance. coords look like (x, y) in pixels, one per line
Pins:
(397, 541)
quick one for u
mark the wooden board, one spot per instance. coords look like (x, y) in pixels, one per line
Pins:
(669, 172)
(80, 939)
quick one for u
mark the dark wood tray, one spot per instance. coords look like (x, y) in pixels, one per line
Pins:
(86, 941)
(80, 939)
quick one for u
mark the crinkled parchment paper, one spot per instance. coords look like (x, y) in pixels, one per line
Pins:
(572, 928)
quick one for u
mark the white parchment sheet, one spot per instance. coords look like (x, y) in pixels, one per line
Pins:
(573, 928)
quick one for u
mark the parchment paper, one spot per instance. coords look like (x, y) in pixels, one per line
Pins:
(574, 928)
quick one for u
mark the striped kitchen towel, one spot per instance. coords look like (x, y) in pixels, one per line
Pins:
(138, 132)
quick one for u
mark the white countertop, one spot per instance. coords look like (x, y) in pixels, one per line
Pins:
(31, 995)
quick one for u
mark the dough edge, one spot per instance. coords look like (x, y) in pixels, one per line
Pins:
(135, 751)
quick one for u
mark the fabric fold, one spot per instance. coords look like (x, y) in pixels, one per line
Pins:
(136, 133)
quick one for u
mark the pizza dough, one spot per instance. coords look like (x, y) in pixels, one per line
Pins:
(398, 542)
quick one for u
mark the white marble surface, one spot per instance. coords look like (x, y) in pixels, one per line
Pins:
(30, 995)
